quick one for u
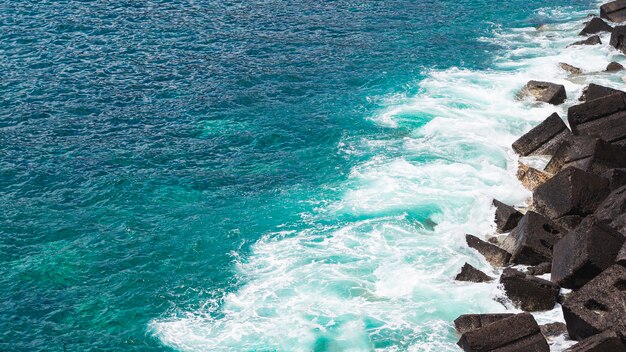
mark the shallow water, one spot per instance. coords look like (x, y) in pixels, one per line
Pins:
(259, 176)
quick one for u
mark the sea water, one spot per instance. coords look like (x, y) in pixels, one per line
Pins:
(200, 175)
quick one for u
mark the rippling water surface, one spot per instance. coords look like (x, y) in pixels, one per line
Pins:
(207, 175)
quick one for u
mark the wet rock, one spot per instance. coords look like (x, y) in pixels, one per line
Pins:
(545, 92)
(584, 253)
(595, 91)
(530, 177)
(517, 333)
(527, 292)
(469, 273)
(593, 40)
(507, 217)
(617, 38)
(614, 67)
(598, 306)
(471, 322)
(596, 25)
(607, 341)
(570, 193)
(569, 68)
(543, 139)
(589, 154)
(614, 11)
(492, 253)
(531, 242)
(553, 329)
(540, 269)
(612, 210)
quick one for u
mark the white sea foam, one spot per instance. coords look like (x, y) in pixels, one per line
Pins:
(383, 280)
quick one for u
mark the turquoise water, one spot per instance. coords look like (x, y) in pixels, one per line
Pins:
(258, 176)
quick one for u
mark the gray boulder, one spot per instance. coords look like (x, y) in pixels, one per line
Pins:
(593, 40)
(614, 11)
(507, 217)
(469, 273)
(531, 242)
(596, 25)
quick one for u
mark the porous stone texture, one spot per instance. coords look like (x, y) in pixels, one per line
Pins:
(598, 306)
(469, 273)
(495, 255)
(595, 91)
(527, 292)
(545, 92)
(614, 11)
(607, 341)
(540, 269)
(543, 139)
(530, 177)
(470, 322)
(604, 117)
(553, 329)
(570, 195)
(584, 253)
(506, 217)
(517, 333)
(617, 38)
(589, 154)
(531, 242)
(612, 210)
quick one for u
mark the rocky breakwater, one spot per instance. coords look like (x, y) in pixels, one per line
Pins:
(574, 231)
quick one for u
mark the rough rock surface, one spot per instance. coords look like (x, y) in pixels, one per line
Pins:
(531, 242)
(517, 333)
(616, 177)
(595, 91)
(527, 292)
(584, 253)
(607, 341)
(593, 40)
(589, 154)
(540, 269)
(469, 273)
(507, 217)
(598, 306)
(553, 329)
(570, 193)
(618, 37)
(530, 177)
(613, 210)
(543, 139)
(569, 68)
(470, 322)
(596, 25)
(492, 253)
(614, 11)
(545, 91)
(603, 117)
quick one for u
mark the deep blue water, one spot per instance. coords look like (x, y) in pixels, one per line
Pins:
(146, 145)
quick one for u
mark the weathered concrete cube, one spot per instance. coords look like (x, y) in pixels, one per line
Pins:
(584, 253)
(596, 25)
(613, 210)
(470, 273)
(543, 139)
(598, 306)
(507, 217)
(517, 333)
(546, 92)
(571, 192)
(527, 292)
(614, 11)
(531, 242)
(603, 118)
(595, 91)
(589, 154)
(607, 341)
